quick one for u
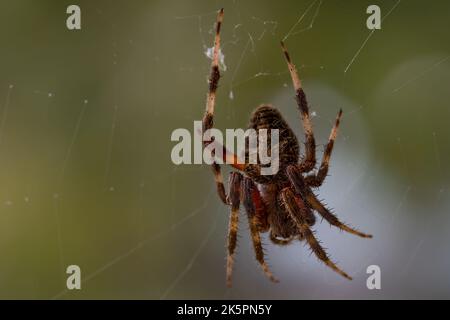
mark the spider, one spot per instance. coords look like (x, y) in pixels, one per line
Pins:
(281, 204)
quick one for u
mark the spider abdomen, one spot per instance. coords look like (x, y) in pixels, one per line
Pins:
(268, 117)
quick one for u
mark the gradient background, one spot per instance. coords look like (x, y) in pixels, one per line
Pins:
(85, 124)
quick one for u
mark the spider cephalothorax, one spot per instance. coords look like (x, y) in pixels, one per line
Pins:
(282, 204)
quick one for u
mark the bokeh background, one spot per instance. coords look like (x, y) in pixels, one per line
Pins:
(85, 124)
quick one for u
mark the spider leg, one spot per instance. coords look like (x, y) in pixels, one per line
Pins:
(214, 77)
(300, 187)
(331, 218)
(234, 200)
(316, 180)
(208, 118)
(309, 162)
(248, 189)
(297, 210)
(261, 214)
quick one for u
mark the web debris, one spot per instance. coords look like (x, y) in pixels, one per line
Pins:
(311, 25)
(199, 18)
(209, 53)
(233, 77)
(266, 22)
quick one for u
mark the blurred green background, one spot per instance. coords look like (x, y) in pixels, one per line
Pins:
(85, 124)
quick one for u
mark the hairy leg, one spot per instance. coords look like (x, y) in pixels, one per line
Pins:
(316, 180)
(297, 181)
(234, 200)
(309, 162)
(331, 218)
(208, 118)
(248, 189)
(298, 211)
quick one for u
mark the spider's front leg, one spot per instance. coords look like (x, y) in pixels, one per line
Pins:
(298, 182)
(298, 211)
(309, 162)
(243, 188)
(208, 118)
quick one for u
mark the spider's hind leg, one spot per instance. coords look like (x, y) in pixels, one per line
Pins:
(234, 199)
(297, 181)
(331, 218)
(248, 188)
(297, 210)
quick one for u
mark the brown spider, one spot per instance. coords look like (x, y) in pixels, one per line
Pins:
(282, 203)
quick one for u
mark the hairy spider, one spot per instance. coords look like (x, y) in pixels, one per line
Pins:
(281, 204)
